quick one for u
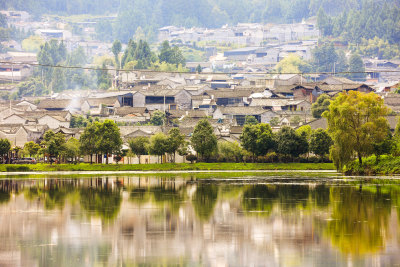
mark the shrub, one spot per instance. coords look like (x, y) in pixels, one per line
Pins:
(191, 158)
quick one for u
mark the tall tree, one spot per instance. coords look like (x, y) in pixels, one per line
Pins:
(322, 104)
(291, 143)
(175, 140)
(203, 139)
(109, 138)
(89, 139)
(5, 147)
(355, 122)
(356, 68)
(320, 142)
(257, 139)
(139, 146)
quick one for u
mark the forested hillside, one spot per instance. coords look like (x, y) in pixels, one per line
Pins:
(151, 14)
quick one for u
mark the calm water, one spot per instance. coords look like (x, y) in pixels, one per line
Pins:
(149, 220)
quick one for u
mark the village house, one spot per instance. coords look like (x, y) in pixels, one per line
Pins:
(237, 115)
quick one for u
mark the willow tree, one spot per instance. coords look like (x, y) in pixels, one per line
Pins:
(356, 121)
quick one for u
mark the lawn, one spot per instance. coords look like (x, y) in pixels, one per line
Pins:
(166, 167)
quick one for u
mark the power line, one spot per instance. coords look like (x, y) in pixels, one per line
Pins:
(205, 73)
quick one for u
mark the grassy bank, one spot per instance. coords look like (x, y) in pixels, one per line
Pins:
(385, 165)
(167, 167)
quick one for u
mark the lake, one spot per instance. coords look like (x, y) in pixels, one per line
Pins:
(199, 219)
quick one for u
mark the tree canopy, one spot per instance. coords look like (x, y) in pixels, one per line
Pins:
(355, 122)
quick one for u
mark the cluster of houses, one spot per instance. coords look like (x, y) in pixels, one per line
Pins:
(185, 98)
(247, 34)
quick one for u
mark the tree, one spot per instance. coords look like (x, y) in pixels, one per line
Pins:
(157, 118)
(203, 139)
(292, 64)
(230, 151)
(324, 22)
(322, 104)
(116, 49)
(158, 145)
(199, 69)
(31, 148)
(89, 139)
(324, 57)
(72, 149)
(171, 55)
(54, 144)
(109, 138)
(5, 147)
(175, 140)
(250, 120)
(291, 143)
(257, 139)
(139, 146)
(356, 65)
(320, 142)
(355, 122)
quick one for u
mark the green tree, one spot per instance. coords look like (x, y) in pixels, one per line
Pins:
(324, 22)
(116, 49)
(321, 105)
(171, 55)
(203, 140)
(54, 144)
(109, 138)
(199, 69)
(139, 146)
(291, 143)
(158, 145)
(72, 149)
(257, 139)
(5, 147)
(292, 64)
(89, 139)
(31, 148)
(356, 68)
(324, 58)
(320, 142)
(230, 151)
(251, 120)
(175, 140)
(157, 118)
(355, 122)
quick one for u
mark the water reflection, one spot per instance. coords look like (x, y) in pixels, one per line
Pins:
(176, 221)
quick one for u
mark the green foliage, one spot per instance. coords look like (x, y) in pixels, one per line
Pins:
(292, 64)
(171, 55)
(104, 31)
(257, 139)
(158, 144)
(54, 143)
(291, 143)
(140, 53)
(175, 141)
(31, 87)
(32, 43)
(139, 146)
(356, 64)
(109, 138)
(355, 122)
(378, 48)
(230, 151)
(250, 120)
(89, 139)
(116, 49)
(199, 69)
(31, 148)
(321, 105)
(157, 118)
(5, 147)
(72, 148)
(320, 142)
(103, 79)
(324, 57)
(203, 140)
(79, 121)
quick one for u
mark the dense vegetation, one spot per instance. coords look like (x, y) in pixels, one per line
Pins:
(354, 17)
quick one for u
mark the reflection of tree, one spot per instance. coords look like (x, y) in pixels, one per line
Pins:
(320, 195)
(360, 220)
(104, 201)
(168, 194)
(4, 196)
(204, 200)
(53, 195)
(259, 198)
